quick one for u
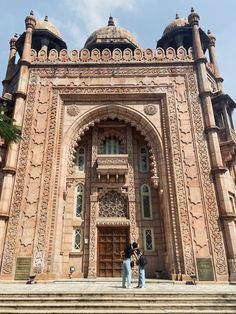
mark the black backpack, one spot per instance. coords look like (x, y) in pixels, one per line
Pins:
(142, 260)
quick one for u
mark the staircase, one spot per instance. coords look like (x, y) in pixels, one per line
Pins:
(126, 301)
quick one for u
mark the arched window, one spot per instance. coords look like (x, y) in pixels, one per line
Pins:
(146, 201)
(111, 145)
(79, 200)
(80, 158)
(143, 160)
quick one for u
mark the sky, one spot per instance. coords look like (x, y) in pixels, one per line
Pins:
(145, 19)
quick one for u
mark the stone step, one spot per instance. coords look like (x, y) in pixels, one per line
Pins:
(117, 305)
(115, 299)
(117, 311)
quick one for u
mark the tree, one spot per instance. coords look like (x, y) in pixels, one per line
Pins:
(8, 131)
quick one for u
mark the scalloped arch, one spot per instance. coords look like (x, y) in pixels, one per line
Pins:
(120, 112)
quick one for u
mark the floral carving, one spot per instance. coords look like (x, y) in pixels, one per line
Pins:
(150, 109)
(113, 204)
(73, 110)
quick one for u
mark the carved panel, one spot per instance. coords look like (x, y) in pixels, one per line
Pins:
(218, 250)
(10, 244)
(113, 204)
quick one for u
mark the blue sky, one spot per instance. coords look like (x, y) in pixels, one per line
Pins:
(146, 19)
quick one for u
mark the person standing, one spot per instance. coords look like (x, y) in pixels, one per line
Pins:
(141, 261)
(126, 267)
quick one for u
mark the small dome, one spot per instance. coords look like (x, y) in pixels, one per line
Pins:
(46, 25)
(179, 22)
(111, 37)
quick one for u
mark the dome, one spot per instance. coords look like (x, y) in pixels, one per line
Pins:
(179, 22)
(46, 25)
(111, 37)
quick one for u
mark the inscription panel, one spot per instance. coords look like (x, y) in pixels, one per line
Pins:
(23, 268)
(204, 268)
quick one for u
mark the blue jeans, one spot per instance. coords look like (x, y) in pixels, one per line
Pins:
(126, 272)
(141, 277)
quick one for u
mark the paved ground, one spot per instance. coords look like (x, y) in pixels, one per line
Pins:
(114, 285)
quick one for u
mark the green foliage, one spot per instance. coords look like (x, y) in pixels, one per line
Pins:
(8, 131)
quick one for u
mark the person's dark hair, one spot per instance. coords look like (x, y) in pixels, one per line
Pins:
(135, 245)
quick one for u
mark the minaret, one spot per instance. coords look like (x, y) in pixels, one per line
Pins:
(19, 109)
(218, 170)
(213, 60)
(11, 62)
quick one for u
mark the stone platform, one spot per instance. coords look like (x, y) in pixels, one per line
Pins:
(107, 296)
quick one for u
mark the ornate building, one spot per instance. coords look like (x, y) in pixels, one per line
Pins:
(119, 143)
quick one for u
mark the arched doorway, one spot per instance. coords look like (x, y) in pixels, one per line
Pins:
(114, 156)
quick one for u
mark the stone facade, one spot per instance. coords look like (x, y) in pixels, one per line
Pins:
(119, 144)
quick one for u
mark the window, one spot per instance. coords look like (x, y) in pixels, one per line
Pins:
(79, 200)
(80, 158)
(232, 201)
(219, 119)
(143, 160)
(77, 243)
(112, 145)
(146, 201)
(148, 240)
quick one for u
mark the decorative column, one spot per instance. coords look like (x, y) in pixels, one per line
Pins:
(218, 170)
(92, 269)
(213, 59)
(19, 109)
(131, 189)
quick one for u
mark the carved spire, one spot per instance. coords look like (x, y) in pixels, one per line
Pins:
(111, 21)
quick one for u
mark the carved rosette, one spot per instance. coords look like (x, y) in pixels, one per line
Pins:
(150, 109)
(73, 110)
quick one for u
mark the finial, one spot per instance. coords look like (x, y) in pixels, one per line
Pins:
(177, 16)
(15, 35)
(192, 10)
(111, 21)
(208, 32)
(46, 18)
(31, 12)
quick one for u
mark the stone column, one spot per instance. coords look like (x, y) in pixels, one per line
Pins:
(131, 189)
(12, 153)
(213, 59)
(218, 170)
(92, 268)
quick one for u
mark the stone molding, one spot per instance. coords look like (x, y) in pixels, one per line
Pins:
(115, 56)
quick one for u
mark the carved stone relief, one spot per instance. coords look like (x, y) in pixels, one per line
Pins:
(150, 109)
(113, 204)
(182, 138)
(73, 110)
(218, 250)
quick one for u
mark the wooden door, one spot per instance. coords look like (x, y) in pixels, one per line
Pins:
(111, 242)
